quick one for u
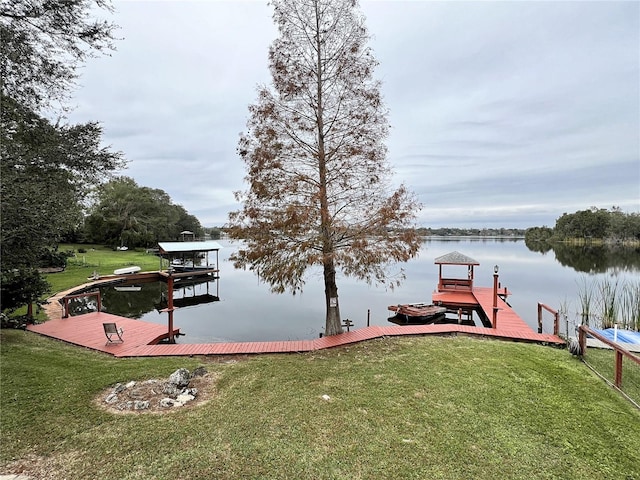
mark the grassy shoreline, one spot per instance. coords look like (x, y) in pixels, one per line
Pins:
(425, 407)
(88, 259)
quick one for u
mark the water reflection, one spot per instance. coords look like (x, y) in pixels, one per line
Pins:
(590, 258)
(132, 302)
(598, 259)
(138, 298)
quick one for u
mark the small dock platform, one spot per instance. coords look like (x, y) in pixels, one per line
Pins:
(508, 325)
(87, 331)
(490, 303)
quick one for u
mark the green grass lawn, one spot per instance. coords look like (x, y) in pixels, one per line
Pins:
(420, 407)
(102, 260)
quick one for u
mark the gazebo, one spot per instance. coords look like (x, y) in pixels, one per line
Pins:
(455, 284)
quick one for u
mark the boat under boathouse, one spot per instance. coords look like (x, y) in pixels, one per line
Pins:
(188, 256)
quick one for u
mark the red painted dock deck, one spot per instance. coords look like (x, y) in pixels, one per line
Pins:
(508, 325)
(140, 338)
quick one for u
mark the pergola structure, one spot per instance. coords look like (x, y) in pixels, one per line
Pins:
(455, 284)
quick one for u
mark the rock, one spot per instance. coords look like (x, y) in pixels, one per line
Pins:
(173, 391)
(125, 405)
(190, 391)
(326, 397)
(141, 405)
(184, 398)
(111, 398)
(193, 391)
(180, 377)
(170, 389)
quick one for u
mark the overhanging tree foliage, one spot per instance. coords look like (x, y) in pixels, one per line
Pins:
(46, 168)
(42, 44)
(319, 182)
(46, 171)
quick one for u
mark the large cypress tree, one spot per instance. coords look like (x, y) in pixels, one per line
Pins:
(319, 182)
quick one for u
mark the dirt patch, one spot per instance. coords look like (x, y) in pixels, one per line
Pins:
(51, 270)
(42, 468)
(153, 391)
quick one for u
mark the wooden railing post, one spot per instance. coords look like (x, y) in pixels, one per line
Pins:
(618, 373)
(170, 309)
(582, 339)
(539, 317)
(556, 318)
(495, 297)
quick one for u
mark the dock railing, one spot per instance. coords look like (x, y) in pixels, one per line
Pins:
(454, 284)
(612, 362)
(66, 298)
(556, 318)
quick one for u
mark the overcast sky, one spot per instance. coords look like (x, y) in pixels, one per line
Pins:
(503, 114)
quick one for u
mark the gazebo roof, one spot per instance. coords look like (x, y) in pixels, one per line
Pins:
(455, 258)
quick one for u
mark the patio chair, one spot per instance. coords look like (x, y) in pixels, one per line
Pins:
(110, 329)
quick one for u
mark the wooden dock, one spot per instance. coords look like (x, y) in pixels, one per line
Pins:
(87, 331)
(508, 325)
(141, 338)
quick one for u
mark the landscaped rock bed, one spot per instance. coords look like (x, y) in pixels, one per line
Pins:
(182, 388)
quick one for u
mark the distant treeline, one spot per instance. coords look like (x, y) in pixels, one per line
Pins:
(593, 225)
(471, 232)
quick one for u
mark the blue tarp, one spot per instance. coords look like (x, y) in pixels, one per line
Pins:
(624, 336)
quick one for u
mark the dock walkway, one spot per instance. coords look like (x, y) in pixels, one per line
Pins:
(140, 338)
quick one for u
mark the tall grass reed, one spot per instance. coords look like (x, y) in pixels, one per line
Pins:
(585, 296)
(607, 302)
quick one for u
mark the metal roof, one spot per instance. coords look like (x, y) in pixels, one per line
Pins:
(184, 247)
(455, 258)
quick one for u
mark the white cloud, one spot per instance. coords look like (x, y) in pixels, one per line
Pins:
(502, 113)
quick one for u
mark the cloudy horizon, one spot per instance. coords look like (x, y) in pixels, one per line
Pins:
(503, 114)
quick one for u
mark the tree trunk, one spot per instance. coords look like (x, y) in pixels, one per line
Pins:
(333, 323)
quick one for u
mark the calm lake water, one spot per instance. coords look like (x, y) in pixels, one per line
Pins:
(247, 311)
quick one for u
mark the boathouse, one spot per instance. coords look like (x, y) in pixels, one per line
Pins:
(186, 256)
